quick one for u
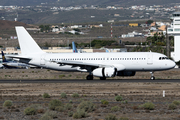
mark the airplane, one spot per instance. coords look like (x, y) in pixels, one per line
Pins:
(102, 65)
(1, 66)
(12, 64)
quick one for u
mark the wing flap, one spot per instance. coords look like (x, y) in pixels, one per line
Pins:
(77, 63)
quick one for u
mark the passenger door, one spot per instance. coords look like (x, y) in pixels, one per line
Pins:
(150, 59)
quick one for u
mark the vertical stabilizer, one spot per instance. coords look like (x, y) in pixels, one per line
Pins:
(3, 57)
(74, 48)
(26, 42)
(107, 50)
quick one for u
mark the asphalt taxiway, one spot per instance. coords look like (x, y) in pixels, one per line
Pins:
(87, 81)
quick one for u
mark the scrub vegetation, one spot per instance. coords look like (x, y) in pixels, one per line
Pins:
(90, 99)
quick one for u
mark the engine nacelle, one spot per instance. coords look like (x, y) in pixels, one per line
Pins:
(105, 72)
(126, 73)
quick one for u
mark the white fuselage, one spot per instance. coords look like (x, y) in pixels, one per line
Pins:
(128, 61)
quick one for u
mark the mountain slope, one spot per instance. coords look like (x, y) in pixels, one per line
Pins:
(87, 2)
(5, 25)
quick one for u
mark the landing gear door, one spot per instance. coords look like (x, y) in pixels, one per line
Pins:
(150, 59)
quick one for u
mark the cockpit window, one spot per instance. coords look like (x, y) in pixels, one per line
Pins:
(163, 58)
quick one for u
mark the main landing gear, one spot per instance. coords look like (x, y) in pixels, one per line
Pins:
(89, 77)
(152, 76)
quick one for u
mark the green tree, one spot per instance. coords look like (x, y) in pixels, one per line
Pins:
(76, 29)
(42, 28)
(149, 21)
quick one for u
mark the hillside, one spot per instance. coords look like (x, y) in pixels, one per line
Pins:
(52, 39)
(76, 16)
(87, 2)
(7, 28)
(24, 2)
(8, 25)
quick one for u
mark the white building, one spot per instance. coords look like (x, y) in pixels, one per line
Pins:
(72, 31)
(55, 29)
(175, 31)
(160, 24)
(133, 34)
(110, 21)
(153, 29)
(74, 26)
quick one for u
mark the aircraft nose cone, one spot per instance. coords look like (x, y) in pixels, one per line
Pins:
(172, 64)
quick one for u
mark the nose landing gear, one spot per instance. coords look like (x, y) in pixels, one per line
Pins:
(152, 76)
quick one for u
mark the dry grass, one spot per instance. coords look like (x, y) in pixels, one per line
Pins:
(23, 94)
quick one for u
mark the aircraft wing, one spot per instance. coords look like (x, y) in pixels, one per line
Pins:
(20, 57)
(76, 63)
(85, 64)
(10, 66)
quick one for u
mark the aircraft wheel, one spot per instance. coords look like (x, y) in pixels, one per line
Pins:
(152, 78)
(89, 77)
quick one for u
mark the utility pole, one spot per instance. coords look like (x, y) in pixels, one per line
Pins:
(111, 30)
(167, 44)
(90, 43)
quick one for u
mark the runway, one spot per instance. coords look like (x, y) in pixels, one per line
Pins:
(88, 81)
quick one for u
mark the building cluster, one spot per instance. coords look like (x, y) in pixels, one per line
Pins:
(113, 7)
(148, 12)
(135, 7)
(158, 27)
(8, 7)
(72, 29)
(150, 29)
(73, 8)
(153, 8)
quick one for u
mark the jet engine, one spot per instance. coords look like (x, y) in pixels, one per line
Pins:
(126, 73)
(105, 72)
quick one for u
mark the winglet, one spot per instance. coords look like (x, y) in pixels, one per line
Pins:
(26, 42)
